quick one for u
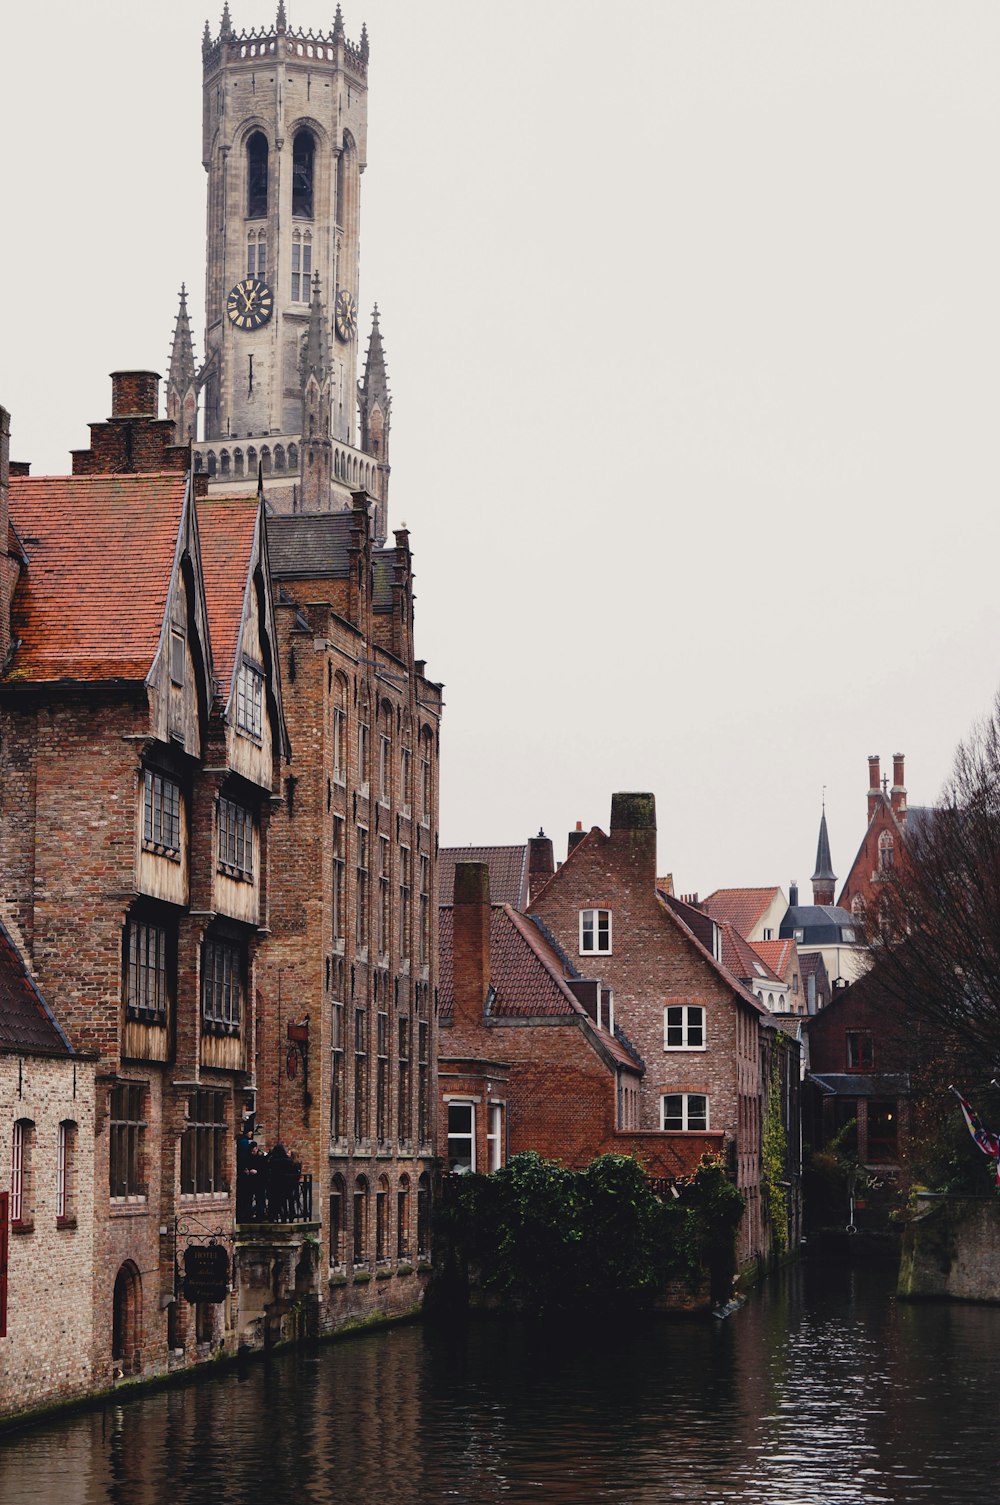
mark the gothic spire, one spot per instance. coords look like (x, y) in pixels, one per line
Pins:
(227, 25)
(281, 24)
(315, 359)
(338, 25)
(364, 42)
(824, 878)
(182, 366)
(206, 38)
(375, 383)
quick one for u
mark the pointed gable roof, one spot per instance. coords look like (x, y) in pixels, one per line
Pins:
(26, 1021)
(742, 907)
(227, 528)
(100, 559)
(775, 954)
(508, 870)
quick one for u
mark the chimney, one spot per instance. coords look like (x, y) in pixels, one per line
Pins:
(541, 863)
(575, 837)
(133, 441)
(135, 394)
(5, 570)
(793, 894)
(633, 828)
(874, 784)
(897, 797)
(471, 943)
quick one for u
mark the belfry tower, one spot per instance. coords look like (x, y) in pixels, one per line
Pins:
(284, 144)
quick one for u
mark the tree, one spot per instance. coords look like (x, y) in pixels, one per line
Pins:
(934, 931)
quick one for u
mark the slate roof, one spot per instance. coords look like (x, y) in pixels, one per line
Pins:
(26, 1022)
(742, 907)
(860, 1084)
(310, 545)
(526, 974)
(226, 529)
(508, 868)
(383, 562)
(100, 551)
(821, 924)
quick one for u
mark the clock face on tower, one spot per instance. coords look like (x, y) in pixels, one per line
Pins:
(250, 304)
(345, 316)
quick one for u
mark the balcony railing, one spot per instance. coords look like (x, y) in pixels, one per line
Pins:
(283, 1198)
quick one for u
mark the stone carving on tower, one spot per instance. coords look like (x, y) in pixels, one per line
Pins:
(182, 380)
(374, 405)
(284, 146)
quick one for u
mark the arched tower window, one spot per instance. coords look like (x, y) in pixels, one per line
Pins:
(885, 851)
(303, 159)
(257, 176)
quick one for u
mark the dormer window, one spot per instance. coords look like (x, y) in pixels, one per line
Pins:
(249, 701)
(595, 932)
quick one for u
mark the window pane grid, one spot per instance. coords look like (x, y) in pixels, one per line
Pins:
(235, 838)
(220, 987)
(147, 973)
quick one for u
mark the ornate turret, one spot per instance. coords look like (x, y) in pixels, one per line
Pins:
(182, 379)
(314, 374)
(374, 411)
(824, 879)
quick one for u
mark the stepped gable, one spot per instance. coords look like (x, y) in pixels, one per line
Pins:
(100, 552)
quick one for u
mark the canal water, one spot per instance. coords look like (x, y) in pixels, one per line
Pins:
(821, 1389)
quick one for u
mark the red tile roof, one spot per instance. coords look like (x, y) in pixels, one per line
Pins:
(742, 907)
(775, 953)
(508, 868)
(742, 959)
(226, 529)
(526, 973)
(100, 549)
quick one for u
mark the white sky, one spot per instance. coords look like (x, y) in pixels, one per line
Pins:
(692, 319)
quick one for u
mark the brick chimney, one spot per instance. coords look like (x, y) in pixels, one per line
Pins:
(897, 795)
(541, 863)
(575, 837)
(133, 441)
(633, 831)
(471, 943)
(874, 784)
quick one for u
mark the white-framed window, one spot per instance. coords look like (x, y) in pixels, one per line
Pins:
(494, 1136)
(249, 701)
(595, 932)
(680, 1111)
(683, 1027)
(21, 1185)
(461, 1138)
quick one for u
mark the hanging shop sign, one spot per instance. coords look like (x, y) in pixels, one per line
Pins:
(206, 1273)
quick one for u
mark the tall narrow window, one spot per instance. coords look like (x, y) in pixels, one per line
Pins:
(403, 1116)
(177, 656)
(461, 1138)
(403, 1218)
(361, 890)
(363, 751)
(235, 839)
(404, 902)
(385, 756)
(147, 978)
(384, 915)
(382, 1078)
(339, 878)
(66, 1174)
(406, 779)
(382, 1220)
(161, 813)
(221, 985)
(425, 910)
(338, 1127)
(423, 1081)
(360, 1076)
(257, 176)
(360, 1220)
(22, 1184)
(494, 1136)
(301, 267)
(128, 1129)
(425, 779)
(424, 1215)
(250, 701)
(303, 158)
(203, 1144)
(337, 1192)
(339, 728)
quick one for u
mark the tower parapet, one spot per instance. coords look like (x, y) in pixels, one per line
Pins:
(271, 42)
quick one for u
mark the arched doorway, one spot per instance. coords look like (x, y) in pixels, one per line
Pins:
(126, 1319)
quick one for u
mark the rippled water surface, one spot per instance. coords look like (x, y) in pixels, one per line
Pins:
(822, 1389)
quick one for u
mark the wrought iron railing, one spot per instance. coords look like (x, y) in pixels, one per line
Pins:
(278, 1199)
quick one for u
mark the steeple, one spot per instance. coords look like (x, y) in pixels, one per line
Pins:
(182, 380)
(824, 878)
(374, 411)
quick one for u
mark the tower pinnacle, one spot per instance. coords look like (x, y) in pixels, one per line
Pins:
(182, 379)
(824, 878)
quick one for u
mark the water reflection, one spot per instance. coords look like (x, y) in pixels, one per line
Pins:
(820, 1390)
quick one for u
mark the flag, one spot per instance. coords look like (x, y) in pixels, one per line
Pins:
(987, 1141)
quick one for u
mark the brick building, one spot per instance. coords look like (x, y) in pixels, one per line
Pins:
(47, 1205)
(889, 819)
(140, 716)
(697, 1029)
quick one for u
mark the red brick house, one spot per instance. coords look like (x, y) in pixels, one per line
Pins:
(141, 721)
(889, 817)
(697, 1029)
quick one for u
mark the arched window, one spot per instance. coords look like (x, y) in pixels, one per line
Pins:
(858, 907)
(279, 457)
(385, 753)
(237, 462)
(886, 855)
(293, 457)
(303, 159)
(224, 462)
(424, 1216)
(347, 180)
(126, 1319)
(340, 729)
(360, 1221)
(257, 176)
(199, 464)
(403, 1218)
(382, 1219)
(251, 462)
(338, 1198)
(265, 459)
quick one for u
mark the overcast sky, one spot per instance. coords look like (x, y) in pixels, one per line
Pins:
(692, 320)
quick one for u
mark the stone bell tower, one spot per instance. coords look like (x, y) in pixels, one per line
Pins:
(284, 147)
